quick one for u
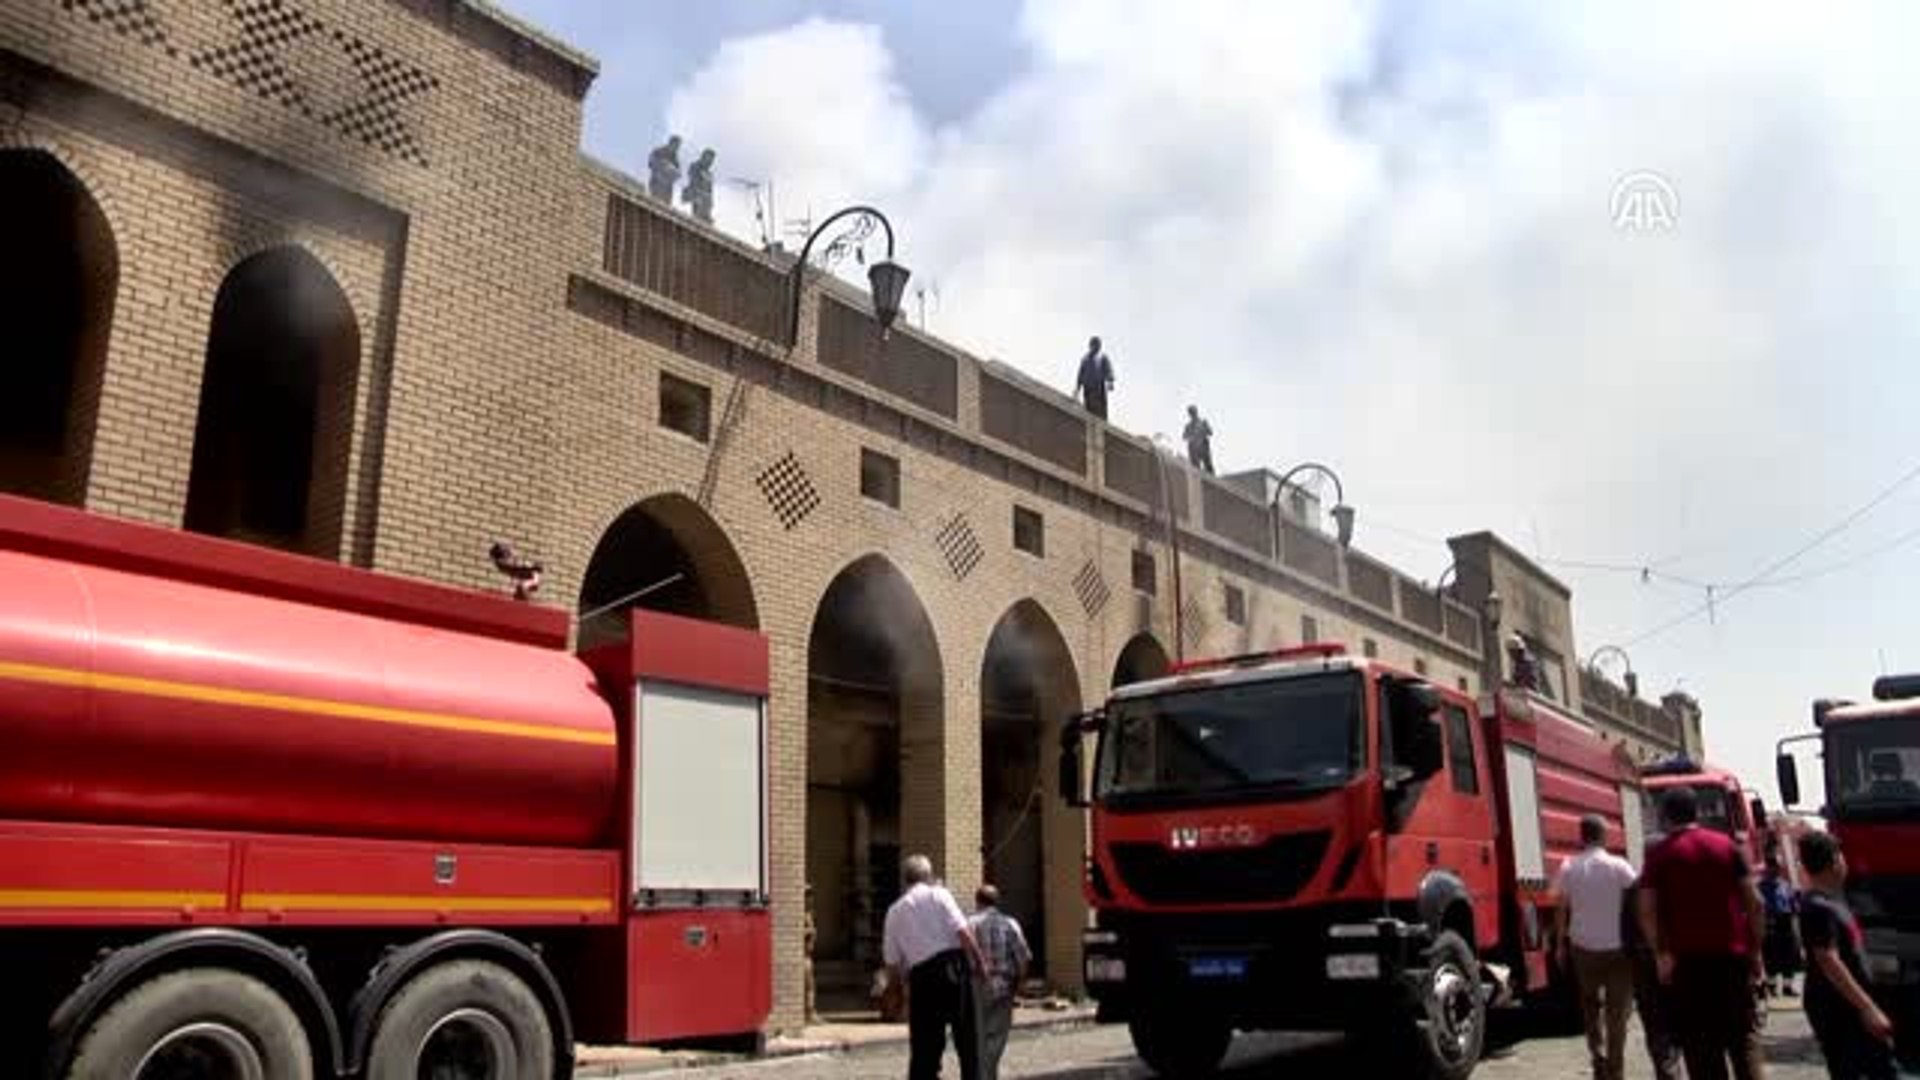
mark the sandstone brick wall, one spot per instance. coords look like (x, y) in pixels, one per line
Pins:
(509, 381)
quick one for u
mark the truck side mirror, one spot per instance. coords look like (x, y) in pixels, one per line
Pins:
(1788, 776)
(1758, 808)
(1073, 789)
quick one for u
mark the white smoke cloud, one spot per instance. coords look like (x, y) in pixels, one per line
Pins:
(1369, 234)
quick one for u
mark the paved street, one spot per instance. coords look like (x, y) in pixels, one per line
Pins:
(1103, 1053)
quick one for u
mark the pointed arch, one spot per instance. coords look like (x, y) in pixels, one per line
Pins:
(1033, 845)
(876, 750)
(1142, 658)
(59, 277)
(664, 553)
(275, 429)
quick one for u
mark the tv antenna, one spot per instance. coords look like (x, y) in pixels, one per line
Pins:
(764, 212)
(920, 295)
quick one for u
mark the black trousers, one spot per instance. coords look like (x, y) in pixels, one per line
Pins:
(1711, 1007)
(1851, 1053)
(940, 995)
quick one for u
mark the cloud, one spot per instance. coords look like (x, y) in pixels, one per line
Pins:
(815, 107)
(1366, 233)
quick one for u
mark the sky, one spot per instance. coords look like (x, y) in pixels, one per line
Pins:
(1629, 284)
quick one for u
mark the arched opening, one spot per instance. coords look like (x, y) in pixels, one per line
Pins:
(1033, 845)
(874, 722)
(275, 429)
(1143, 658)
(59, 271)
(663, 553)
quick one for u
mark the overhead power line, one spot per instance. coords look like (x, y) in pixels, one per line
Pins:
(1717, 596)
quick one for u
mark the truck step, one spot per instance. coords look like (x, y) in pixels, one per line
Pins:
(1496, 984)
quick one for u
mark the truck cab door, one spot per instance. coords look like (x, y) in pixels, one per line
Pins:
(1440, 828)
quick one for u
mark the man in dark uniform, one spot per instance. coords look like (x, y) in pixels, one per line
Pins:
(1095, 379)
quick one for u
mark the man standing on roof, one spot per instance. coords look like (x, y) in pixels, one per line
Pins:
(1095, 379)
(1199, 436)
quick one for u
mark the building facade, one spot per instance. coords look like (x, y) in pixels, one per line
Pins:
(334, 276)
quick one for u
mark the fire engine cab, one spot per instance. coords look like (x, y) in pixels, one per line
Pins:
(1307, 840)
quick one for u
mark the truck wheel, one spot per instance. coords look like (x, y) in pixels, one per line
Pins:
(462, 1020)
(1179, 1047)
(201, 1023)
(1450, 1023)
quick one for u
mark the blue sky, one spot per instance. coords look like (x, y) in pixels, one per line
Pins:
(1378, 234)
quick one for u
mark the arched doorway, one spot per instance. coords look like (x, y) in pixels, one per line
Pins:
(1033, 845)
(276, 407)
(875, 766)
(59, 271)
(1143, 658)
(663, 553)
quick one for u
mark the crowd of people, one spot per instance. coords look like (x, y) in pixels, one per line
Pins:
(1695, 942)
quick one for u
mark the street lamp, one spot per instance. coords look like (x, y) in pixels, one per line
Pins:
(887, 279)
(1440, 586)
(1631, 678)
(1493, 664)
(1342, 513)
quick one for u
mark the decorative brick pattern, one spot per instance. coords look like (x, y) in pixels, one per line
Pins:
(1092, 589)
(959, 545)
(254, 59)
(789, 490)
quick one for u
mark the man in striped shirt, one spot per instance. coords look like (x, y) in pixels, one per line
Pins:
(1005, 949)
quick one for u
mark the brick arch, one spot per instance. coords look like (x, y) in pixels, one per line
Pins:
(275, 428)
(59, 280)
(671, 552)
(1141, 658)
(876, 750)
(1033, 845)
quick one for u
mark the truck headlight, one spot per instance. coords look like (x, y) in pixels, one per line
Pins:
(1353, 966)
(1106, 969)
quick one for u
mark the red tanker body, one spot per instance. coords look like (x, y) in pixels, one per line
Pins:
(266, 815)
(142, 701)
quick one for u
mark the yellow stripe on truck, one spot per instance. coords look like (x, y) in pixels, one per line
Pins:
(577, 905)
(348, 710)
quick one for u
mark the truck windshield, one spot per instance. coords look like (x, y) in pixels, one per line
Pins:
(1716, 810)
(1875, 764)
(1301, 733)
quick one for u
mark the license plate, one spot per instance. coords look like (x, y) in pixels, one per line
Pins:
(1217, 967)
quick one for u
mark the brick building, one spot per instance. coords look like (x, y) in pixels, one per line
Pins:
(335, 276)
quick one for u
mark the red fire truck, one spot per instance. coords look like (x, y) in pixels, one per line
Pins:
(1871, 755)
(266, 816)
(1725, 804)
(1306, 840)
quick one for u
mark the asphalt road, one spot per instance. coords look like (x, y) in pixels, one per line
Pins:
(1103, 1053)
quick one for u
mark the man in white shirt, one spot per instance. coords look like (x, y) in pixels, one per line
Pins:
(1591, 888)
(928, 943)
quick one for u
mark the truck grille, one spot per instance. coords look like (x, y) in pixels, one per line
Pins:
(1269, 873)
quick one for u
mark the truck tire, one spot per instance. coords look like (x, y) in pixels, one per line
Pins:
(200, 1022)
(1178, 1047)
(1449, 1025)
(465, 1019)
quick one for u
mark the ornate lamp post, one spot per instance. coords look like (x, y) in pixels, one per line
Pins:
(1342, 513)
(1162, 451)
(886, 278)
(1631, 678)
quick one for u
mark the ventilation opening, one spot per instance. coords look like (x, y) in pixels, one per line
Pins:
(1029, 532)
(1236, 605)
(1145, 578)
(880, 478)
(685, 407)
